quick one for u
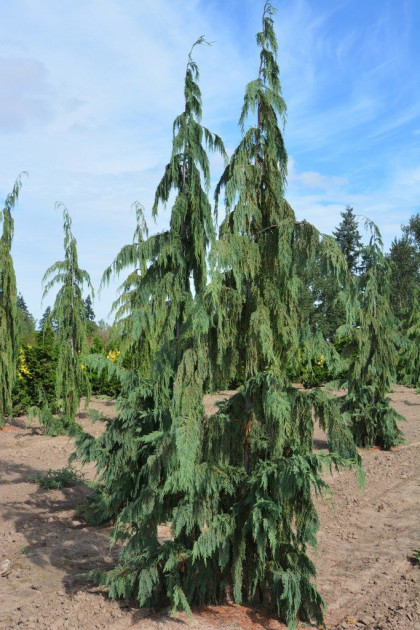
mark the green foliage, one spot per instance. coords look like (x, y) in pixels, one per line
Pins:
(262, 439)
(349, 240)
(69, 313)
(156, 297)
(409, 360)
(374, 341)
(315, 373)
(47, 321)
(326, 310)
(26, 322)
(326, 294)
(37, 366)
(89, 312)
(238, 487)
(98, 509)
(404, 258)
(155, 304)
(138, 450)
(103, 378)
(53, 424)
(56, 479)
(9, 328)
(91, 326)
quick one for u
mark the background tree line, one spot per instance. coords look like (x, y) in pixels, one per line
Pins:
(37, 362)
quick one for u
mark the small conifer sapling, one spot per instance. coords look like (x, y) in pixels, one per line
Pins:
(68, 312)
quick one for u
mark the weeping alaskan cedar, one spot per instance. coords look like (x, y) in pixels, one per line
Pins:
(69, 316)
(9, 342)
(260, 517)
(409, 362)
(139, 454)
(373, 346)
(237, 487)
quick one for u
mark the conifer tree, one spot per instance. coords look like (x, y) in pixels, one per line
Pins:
(156, 296)
(69, 314)
(262, 520)
(9, 334)
(409, 361)
(45, 318)
(139, 448)
(404, 258)
(374, 342)
(327, 312)
(89, 312)
(349, 240)
(26, 321)
(236, 488)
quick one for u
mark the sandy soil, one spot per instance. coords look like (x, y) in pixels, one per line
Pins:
(365, 568)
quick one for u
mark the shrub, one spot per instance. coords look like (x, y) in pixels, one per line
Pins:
(55, 479)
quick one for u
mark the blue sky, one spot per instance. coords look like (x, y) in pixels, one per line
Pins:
(89, 90)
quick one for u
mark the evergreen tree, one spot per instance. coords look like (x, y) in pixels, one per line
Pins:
(404, 258)
(412, 230)
(37, 366)
(21, 304)
(26, 322)
(46, 316)
(9, 334)
(69, 313)
(322, 302)
(374, 353)
(89, 312)
(327, 311)
(236, 487)
(156, 296)
(91, 326)
(143, 446)
(409, 361)
(48, 321)
(261, 517)
(349, 239)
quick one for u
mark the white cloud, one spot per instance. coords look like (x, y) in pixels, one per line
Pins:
(312, 179)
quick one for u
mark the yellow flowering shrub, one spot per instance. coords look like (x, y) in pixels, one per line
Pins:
(23, 369)
(113, 355)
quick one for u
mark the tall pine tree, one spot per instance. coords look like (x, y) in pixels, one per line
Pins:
(349, 240)
(9, 333)
(89, 312)
(69, 314)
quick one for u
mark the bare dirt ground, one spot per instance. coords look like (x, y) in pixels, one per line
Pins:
(365, 567)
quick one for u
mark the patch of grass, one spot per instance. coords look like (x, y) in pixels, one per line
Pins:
(56, 479)
(23, 549)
